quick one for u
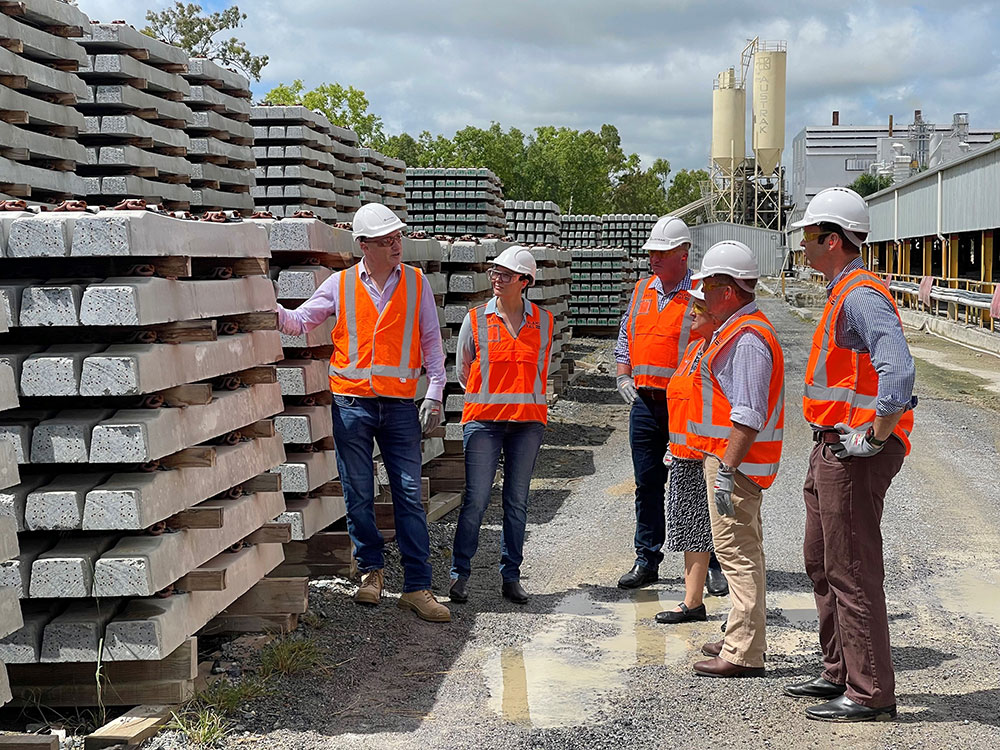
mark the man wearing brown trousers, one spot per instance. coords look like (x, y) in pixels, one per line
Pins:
(858, 399)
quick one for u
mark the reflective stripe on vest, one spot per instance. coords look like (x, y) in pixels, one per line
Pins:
(379, 377)
(711, 437)
(482, 404)
(854, 398)
(646, 372)
(679, 400)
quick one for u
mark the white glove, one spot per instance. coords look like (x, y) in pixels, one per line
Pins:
(854, 443)
(430, 415)
(626, 388)
(725, 483)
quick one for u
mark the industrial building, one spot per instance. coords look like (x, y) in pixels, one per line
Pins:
(835, 154)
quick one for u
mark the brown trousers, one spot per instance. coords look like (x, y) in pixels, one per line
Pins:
(739, 545)
(843, 555)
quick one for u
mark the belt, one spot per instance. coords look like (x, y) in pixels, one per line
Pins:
(826, 436)
(654, 394)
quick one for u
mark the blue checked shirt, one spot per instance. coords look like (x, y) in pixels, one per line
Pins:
(662, 298)
(743, 369)
(868, 323)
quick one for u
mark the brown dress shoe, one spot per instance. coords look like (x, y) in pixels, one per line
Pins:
(425, 605)
(719, 667)
(370, 590)
(713, 649)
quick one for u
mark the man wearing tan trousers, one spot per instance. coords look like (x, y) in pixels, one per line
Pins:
(736, 418)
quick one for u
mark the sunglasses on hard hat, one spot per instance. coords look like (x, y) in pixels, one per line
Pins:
(699, 307)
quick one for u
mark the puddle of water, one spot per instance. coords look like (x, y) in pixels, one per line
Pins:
(972, 591)
(798, 609)
(941, 359)
(551, 682)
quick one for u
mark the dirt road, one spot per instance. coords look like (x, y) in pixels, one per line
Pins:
(583, 665)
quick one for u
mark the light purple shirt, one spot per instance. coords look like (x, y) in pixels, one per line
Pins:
(325, 302)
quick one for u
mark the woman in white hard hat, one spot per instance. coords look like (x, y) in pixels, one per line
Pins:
(502, 362)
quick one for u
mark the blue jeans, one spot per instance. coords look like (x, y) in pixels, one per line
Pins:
(357, 423)
(649, 437)
(483, 442)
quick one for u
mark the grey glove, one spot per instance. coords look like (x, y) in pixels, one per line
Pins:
(626, 388)
(430, 415)
(725, 483)
(854, 443)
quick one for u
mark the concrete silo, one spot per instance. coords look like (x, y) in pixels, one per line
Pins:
(729, 107)
(768, 134)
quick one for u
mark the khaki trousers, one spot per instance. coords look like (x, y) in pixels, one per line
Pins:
(739, 545)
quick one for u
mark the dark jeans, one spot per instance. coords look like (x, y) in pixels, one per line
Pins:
(483, 442)
(843, 555)
(649, 437)
(357, 423)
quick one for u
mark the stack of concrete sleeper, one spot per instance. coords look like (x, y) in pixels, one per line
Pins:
(455, 201)
(136, 118)
(144, 433)
(534, 222)
(602, 284)
(394, 185)
(39, 150)
(10, 608)
(581, 230)
(629, 231)
(221, 150)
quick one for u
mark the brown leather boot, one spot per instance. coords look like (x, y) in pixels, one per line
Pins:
(425, 605)
(370, 590)
(712, 649)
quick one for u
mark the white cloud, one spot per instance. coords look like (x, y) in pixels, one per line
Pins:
(646, 66)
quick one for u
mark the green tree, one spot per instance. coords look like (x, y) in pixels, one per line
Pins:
(641, 190)
(867, 184)
(685, 188)
(343, 106)
(186, 26)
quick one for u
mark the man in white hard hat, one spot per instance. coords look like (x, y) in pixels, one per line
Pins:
(652, 338)
(386, 329)
(859, 400)
(502, 361)
(736, 419)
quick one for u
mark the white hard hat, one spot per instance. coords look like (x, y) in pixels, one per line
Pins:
(519, 259)
(668, 232)
(375, 220)
(729, 258)
(841, 206)
(698, 293)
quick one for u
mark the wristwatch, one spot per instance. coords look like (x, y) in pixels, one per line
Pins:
(870, 437)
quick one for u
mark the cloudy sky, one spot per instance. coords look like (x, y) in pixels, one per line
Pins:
(646, 66)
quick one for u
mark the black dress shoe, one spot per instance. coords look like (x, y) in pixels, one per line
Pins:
(458, 592)
(716, 583)
(638, 577)
(818, 688)
(514, 591)
(685, 615)
(844, 709)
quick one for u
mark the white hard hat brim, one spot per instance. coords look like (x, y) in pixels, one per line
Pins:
(801, 224)
(374, 234)
(698, 294)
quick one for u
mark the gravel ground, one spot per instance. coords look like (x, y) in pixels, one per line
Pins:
(583, 665)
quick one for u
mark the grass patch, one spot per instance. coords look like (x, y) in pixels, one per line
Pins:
(203, 727)
(225, 697)
(286, 656)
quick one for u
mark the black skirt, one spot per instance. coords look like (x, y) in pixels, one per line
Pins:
(689, 528)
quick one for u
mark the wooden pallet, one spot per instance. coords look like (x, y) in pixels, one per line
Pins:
(122, 683)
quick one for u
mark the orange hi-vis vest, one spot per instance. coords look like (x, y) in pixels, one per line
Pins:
(657, 338)
(842, 384)
(679, 399)
(377, 354)
(507, 379)
(709, 424)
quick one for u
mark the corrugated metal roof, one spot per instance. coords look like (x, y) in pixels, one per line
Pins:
(969, 189)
